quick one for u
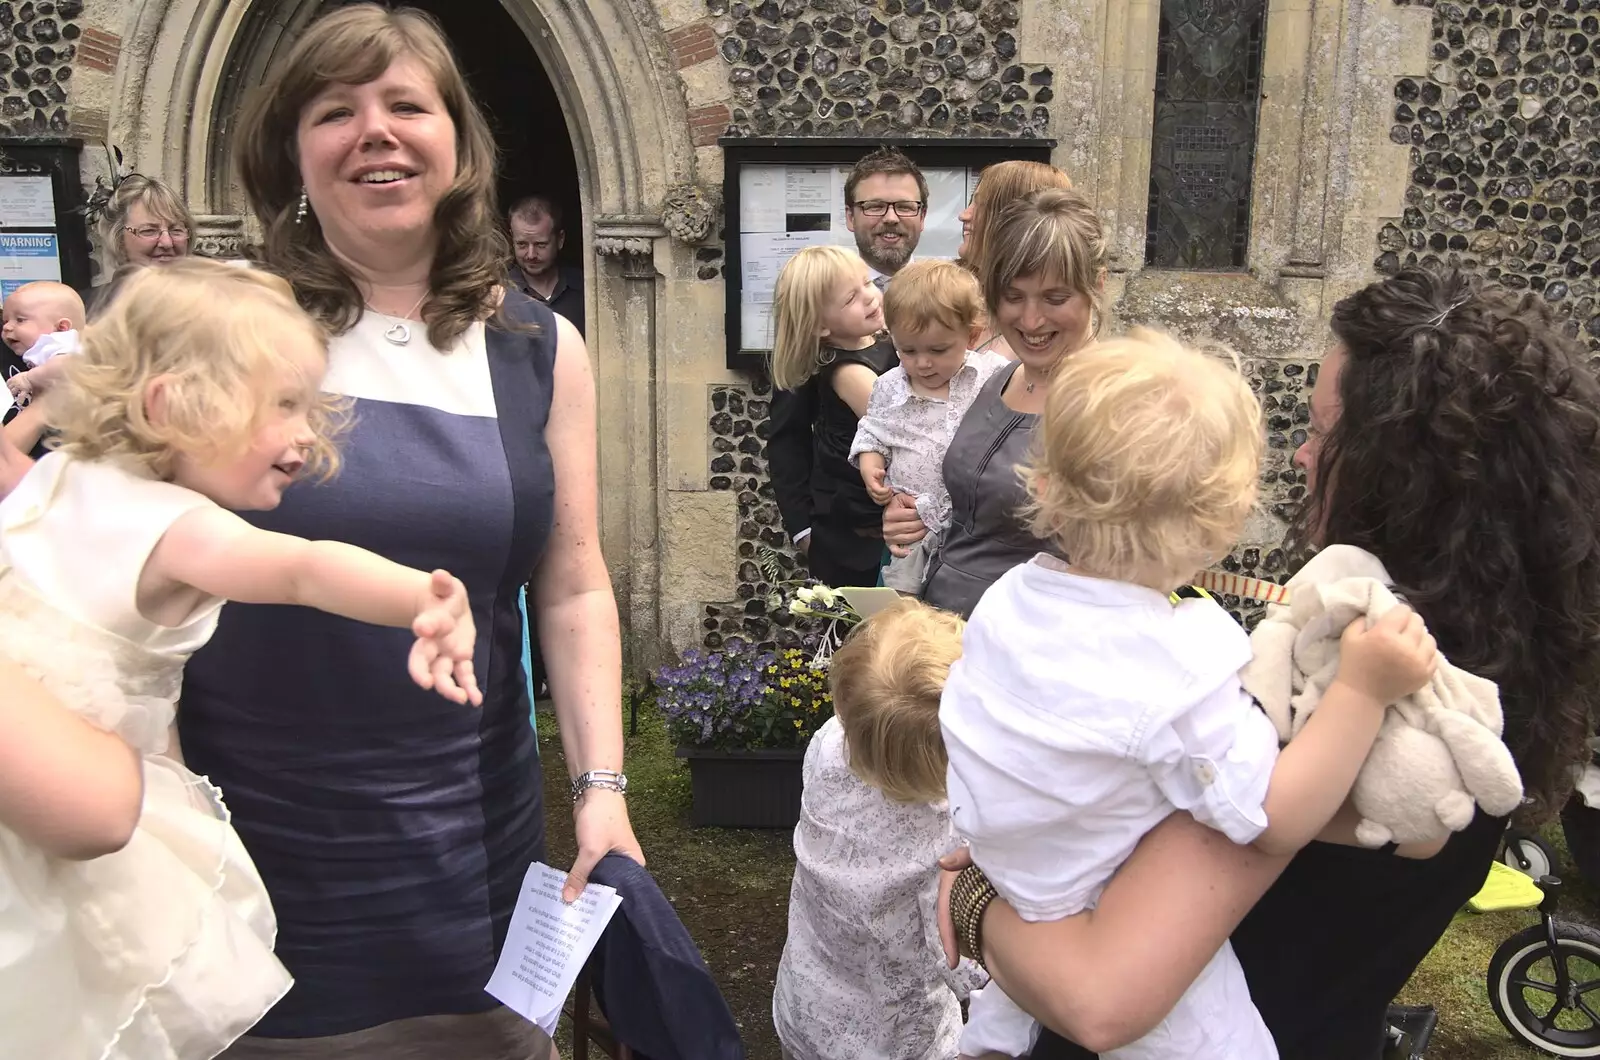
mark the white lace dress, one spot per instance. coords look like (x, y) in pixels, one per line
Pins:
(863, 976)
(162, 950)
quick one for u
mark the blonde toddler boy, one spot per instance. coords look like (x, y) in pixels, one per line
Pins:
(934, 312)
(1090, 702)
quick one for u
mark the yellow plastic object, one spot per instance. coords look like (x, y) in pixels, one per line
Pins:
(1506, 888)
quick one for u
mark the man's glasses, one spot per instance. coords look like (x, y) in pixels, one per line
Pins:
(903, 208)
(151, 233)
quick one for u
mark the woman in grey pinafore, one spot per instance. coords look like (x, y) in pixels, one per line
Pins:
(1042, 282)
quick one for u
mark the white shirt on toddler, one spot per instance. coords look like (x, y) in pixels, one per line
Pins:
(1081, 714)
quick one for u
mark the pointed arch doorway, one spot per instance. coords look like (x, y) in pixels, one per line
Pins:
(187, 65)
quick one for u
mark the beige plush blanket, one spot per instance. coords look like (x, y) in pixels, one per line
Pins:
(1438, 751)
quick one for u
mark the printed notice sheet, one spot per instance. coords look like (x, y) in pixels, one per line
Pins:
(547, 944)
(27, 202)
(784, 208)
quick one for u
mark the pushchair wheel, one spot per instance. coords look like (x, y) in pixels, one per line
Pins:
(1530, 855)
(1524, 991)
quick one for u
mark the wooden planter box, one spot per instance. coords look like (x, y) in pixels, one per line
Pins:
(745, 789)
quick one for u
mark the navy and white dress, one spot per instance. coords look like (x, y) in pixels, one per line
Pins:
(391, 827)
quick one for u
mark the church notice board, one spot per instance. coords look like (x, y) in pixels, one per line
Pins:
(781, 195)
(42, 231)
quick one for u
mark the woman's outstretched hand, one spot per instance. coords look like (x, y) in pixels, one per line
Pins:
(902, 526)
(950, 867)
(441, 659)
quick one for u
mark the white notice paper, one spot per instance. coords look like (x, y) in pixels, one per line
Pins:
(27, 202)
(841, 176)
(547, 944)
(763, 256)
(761, 199)
(808, 190)
(947, 197)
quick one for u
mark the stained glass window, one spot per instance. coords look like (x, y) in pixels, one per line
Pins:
(1208, 81)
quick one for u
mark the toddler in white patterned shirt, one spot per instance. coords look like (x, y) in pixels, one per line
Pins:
(934, 310)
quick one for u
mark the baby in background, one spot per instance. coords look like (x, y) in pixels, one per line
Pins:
(41, 320)
(1091, 700)
(863, 976)
(934, 311)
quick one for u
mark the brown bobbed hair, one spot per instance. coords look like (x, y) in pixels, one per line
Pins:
(1463, 457)
(355, 45)
(1055, 234)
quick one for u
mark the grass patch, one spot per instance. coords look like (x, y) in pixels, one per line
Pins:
(731, 889)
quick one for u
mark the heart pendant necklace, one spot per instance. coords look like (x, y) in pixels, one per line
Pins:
(399, 333)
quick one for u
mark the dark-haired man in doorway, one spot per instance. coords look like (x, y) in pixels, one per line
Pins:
(536, 241)
(885, 205)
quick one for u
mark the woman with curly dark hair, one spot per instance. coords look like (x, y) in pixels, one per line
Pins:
(1453, 435)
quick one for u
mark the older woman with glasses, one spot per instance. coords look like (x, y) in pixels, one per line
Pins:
(144, 223)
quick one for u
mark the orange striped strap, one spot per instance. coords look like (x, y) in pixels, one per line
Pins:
(1217, 581)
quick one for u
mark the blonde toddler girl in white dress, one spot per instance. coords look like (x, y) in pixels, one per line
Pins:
(197, 392)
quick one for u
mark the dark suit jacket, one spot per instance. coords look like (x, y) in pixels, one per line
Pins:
(565, 298)
(650, 980)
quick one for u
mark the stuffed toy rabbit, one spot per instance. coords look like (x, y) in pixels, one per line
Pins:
(1438, 751)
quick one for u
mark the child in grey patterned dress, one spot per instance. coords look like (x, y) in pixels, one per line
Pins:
(863, 976)
(934, 310)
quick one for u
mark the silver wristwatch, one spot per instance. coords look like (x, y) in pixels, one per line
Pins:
(608, 779)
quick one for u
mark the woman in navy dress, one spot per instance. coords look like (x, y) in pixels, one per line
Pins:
(393, 835)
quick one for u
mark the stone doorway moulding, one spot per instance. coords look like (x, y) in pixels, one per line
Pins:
(184, 69)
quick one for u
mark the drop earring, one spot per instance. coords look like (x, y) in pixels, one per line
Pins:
(300, 211)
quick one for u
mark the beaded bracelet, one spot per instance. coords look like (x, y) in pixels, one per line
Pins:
(969, 900)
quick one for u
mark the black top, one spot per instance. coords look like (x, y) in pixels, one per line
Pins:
(565, 298)
(808, 447)
(1336, 937)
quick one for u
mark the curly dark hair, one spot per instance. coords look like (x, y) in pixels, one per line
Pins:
(355, 45)
(1464, 457)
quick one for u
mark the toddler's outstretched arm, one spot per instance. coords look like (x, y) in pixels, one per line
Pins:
(1314, 772)
(70, 788)
(219, 554)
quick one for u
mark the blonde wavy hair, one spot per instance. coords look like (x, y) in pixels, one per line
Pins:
(217, 336)
(1055, 234)
(999, 186)
(355, 45)
(156, 196)
(887, 678)
(932, 293)
(802, 292)
(1146, 459)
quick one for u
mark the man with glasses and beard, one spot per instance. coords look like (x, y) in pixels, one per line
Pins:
(886, 202)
